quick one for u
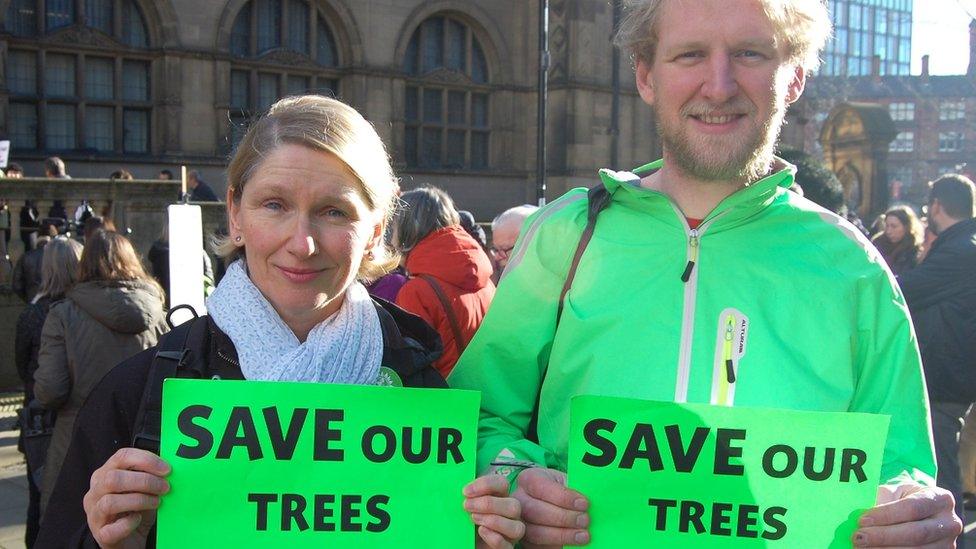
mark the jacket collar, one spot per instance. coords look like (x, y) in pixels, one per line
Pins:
(964, 228)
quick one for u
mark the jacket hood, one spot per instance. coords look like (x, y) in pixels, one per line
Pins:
(128, 306)
(453, 256)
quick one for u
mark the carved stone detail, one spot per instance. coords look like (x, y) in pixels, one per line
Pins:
(78, 35)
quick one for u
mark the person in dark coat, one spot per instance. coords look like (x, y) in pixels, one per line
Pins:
(941, 294)
(200, 191)
(289, 308)
(26, 277)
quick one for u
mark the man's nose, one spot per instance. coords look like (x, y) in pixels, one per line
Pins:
(720, 84)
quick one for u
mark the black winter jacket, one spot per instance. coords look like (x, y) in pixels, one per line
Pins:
(941, 294)
(106, 422)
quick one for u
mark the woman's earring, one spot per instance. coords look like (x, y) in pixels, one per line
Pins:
(237, 238)
(369, 255)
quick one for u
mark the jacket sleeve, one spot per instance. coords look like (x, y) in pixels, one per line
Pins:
(508, 355)
(414, 299)
(890, 381)
(53, 377)
(26, 324)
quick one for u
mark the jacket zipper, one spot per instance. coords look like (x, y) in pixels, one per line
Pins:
(725, 382)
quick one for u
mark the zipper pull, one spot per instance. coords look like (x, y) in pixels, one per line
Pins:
(693, 244)
(729, 332)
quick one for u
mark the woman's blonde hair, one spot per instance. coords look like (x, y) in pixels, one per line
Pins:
(326, 125)
(802, 25)
(59, 266)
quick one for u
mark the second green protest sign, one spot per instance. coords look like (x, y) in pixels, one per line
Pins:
(695, 475)
(303, 464)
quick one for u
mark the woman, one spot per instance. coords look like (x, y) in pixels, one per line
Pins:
(113, 311)
(310, 191)
(449, 282)
(59, 266)
(901, 240)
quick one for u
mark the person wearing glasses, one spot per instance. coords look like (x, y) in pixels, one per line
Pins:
(504, 232)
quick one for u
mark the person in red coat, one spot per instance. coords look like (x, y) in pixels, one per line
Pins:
(449, 282)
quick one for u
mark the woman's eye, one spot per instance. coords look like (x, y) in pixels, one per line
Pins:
(273, 205)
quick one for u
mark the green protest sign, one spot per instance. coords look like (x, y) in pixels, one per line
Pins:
(695, 475)
(258, 464)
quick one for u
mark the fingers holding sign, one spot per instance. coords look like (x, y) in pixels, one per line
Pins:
(496, 515)
(554, 515)
(909, 515)
(123, 497)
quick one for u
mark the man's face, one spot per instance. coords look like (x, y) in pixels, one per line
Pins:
(719, 84)
(503, 241)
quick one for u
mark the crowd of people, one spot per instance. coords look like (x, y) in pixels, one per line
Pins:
(615, 290)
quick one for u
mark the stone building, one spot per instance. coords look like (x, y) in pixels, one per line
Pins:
(449, 84)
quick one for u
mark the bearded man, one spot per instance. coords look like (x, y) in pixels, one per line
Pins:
(682, 245)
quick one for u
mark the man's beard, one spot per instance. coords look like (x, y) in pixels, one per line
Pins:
(715, 158)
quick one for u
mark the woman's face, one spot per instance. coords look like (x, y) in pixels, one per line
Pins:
(305, 226)
(894, 229)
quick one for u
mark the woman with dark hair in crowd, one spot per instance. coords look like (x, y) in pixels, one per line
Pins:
(449, 282)
(901, 240)
(310, 192)
(58, 269)
(113, 310)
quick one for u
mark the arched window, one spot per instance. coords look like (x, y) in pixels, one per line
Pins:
(446, 108)
(281, 48)
(90, 94)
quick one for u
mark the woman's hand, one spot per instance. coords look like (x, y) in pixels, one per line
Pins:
(554, 515)
(494, 512)
(123, 497)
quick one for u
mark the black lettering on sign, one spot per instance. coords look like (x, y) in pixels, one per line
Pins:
(349, 513)
(389, 443)
(326, 434)
(449, 442)
(240, 421)
(791, 461)
(424, 453)
(642, 445)
(200, 434)
(662, 505)
(262, 512)
(852, 461)
(779, 527)
(381, 515)
(690, 514)
(591, 434)
(810, 456)
(748, 517)
(284, 444)
(721, 519)
(292, 509)
(724, 451)
(684, 460)
(323, 511)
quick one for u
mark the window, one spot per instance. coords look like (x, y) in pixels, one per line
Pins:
(952, 110)
(950, 141)
(902, 111)
(447, 107)
(96, 100)
(256, 79)
(904, 142)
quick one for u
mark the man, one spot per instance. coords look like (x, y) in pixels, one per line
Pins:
(941, 293)
(707, 234)
(15, 171)
(504, 232)
(54, 167)
(165, 175)
(27, 272)
(199, 190)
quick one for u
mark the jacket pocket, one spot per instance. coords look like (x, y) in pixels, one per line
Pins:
(730, 347)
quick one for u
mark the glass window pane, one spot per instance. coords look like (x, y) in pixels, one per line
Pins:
(240, 35)
(457, 50)
(22, 18)
(325, 51)
(100, 128)
(267, 90)
(297, 85)
(328, 87)
(455, 107)
(23, 126)
(135, 81)
(410, 60)
(99, 78)
(59, 75)
(479, 110)
(479, 149)
(238, 127)
(98, 14)
(433, 35)
(298, 26)
(431, 152)
(455, 148)
(479, 67)
(60, 127)
(22, 72)
(432, 105)
(412, 110)
(59, 13)
(410, 145)
(135, 131)
(268, 14)
(239, 88)
(133, 26)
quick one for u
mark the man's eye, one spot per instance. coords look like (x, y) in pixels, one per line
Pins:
(273, 205)
(690, 55)
(751, 54)
(335, 212)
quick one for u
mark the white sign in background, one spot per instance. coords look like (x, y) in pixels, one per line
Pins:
(185, 260)
(4, 153)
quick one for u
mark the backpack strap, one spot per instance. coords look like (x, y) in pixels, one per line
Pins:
(598, 198)
(449, 311)
(174, 352)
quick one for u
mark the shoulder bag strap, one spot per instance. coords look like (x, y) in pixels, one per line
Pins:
(449, 311)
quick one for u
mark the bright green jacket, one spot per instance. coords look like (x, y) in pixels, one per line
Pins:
(789, 296)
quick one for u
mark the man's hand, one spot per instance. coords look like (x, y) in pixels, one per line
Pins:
(553, 514)
(494, 512)
(909, 515)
